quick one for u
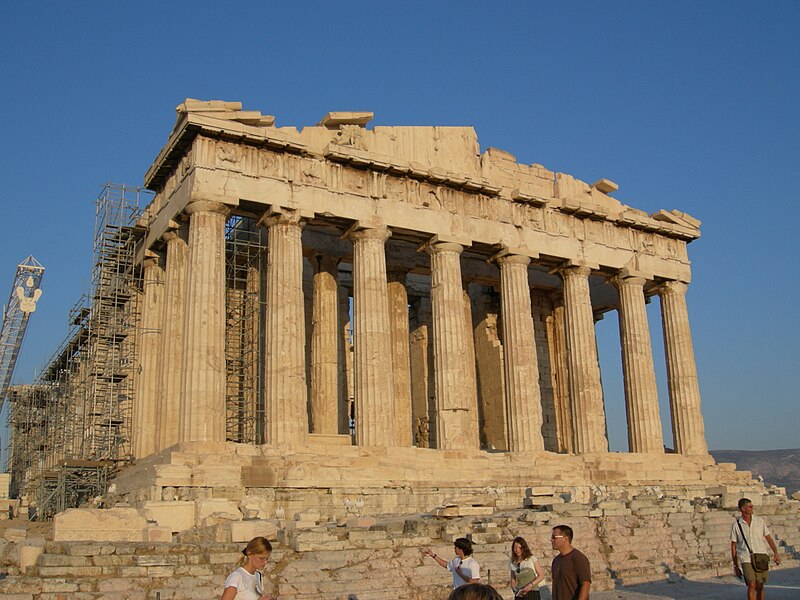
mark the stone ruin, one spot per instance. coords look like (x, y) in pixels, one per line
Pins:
(401, 351)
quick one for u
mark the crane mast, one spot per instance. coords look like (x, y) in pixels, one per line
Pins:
(25, 293)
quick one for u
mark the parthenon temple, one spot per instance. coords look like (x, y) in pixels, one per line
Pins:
(342, 307)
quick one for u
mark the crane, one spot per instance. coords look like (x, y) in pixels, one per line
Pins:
(25, 293)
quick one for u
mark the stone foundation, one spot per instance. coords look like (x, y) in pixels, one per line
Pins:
(392, 481)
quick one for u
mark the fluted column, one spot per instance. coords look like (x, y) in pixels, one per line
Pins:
(203, 397)
(148, 392)
(558, 360)
(345, 341)
(684, 391)
(471, 373)
(523, 397)
(453, 393)
(401, 362)
(585, 389)
(285, 369)
(325, 346)
(372, 340)
(641, 393)
(169, 409)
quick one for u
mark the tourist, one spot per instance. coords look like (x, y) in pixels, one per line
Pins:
(464, 568)
(750, 530)
(475, 591)
(526, 573)
(572, 575)
(247, 581)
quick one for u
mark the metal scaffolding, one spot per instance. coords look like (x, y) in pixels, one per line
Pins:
(245, 249)
(73, 425)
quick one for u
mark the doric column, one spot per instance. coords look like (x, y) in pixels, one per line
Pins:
(523, 397)
(372, 340)
(345, 341)
(325, 346)
(148, 395)
(169, 409)
(641, 393)
(471, 377)
(684, 391)
(422, 388)
(203, 397)
(557, 333)
(489, 367)
(453, 393)
(285, 369)
(585, 389)
(401, 365)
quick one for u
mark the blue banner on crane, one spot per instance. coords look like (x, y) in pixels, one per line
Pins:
(25, 293)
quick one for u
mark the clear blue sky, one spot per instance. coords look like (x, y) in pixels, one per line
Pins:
(685, 104)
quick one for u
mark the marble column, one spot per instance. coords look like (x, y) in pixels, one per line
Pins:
(372, 340)
(558, 360)
(585, 388)
(684, 391)
(325, 346)
(286, 393)
(489, 367)
(422, 389)
(148, 392)
(472, 372)
(170, 379)
(401, 361)
(641, 392)
(523, 397)
(345, 347)
(453, 392)
(203, 396)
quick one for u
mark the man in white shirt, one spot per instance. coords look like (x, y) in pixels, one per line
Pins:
(752, 530)
(464, 568)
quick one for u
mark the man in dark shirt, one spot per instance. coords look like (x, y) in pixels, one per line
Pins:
(572, 575)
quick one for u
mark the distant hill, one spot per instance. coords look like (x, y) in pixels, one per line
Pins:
(777, 467)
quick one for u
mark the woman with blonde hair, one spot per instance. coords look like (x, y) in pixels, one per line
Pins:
(526, 572)
(247, 582)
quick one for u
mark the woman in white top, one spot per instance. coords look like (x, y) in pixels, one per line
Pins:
(247, 582)
(526, 573)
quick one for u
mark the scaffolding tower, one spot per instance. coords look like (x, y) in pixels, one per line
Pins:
(72, 427)
(245, 250)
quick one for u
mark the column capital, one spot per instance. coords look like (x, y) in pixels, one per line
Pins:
(573, 269)
(196, 206)
(435, 246)
(397, 273)
(359, 232)
(622, 279)
(326, 261)
(277, 215)
(504, 258)
(151, 260)
(672, 286)
(172, 232)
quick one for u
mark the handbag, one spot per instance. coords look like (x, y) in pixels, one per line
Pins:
(759, 561)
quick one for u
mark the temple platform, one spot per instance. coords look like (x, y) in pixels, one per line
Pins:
(327, 473)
